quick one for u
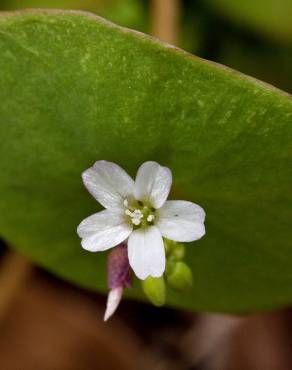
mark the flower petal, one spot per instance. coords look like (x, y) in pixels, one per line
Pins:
(113, 301)
(153, 183)
(181, 221)
(103, 230)
(108, 183)
(146, 252)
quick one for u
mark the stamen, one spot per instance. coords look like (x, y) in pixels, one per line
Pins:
(139, 216)
(129, 213)
(150, 218)
(136, 221)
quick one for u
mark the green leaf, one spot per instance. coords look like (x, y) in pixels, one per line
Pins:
(270, 18)
(76, 89)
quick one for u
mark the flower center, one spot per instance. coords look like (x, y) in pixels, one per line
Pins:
(139, 213)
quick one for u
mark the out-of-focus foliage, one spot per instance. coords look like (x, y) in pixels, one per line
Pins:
(267, 62)
(271, 18)
(251, 36)
(127, 13)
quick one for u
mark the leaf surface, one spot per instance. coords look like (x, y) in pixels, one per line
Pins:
(75, 89)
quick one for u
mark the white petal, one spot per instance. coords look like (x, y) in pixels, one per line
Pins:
(113, 300)
(181, 221)
(108, 183)
(146, 252)
(153, 183)
(103, 230)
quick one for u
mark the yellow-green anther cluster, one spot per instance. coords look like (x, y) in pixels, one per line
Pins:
(139, 213)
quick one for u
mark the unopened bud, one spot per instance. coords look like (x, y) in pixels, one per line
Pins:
(168, 246)
(174, 250)
(154, 289)
(179, 276)
(178, 252)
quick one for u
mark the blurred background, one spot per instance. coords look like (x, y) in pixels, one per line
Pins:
(48, 324)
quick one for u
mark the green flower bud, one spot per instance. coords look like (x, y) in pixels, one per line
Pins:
(154, 289)
(178, 251)
(168, 245)
(179, 276)
(169, 266)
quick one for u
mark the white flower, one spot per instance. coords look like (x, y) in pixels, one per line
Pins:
(138, 211)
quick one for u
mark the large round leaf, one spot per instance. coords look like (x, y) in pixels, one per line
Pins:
(75, 89)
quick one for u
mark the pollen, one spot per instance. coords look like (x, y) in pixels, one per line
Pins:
(150, 218)
(139, 214)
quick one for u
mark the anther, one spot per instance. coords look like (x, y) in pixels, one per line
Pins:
(136, 221)
(150, 218)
